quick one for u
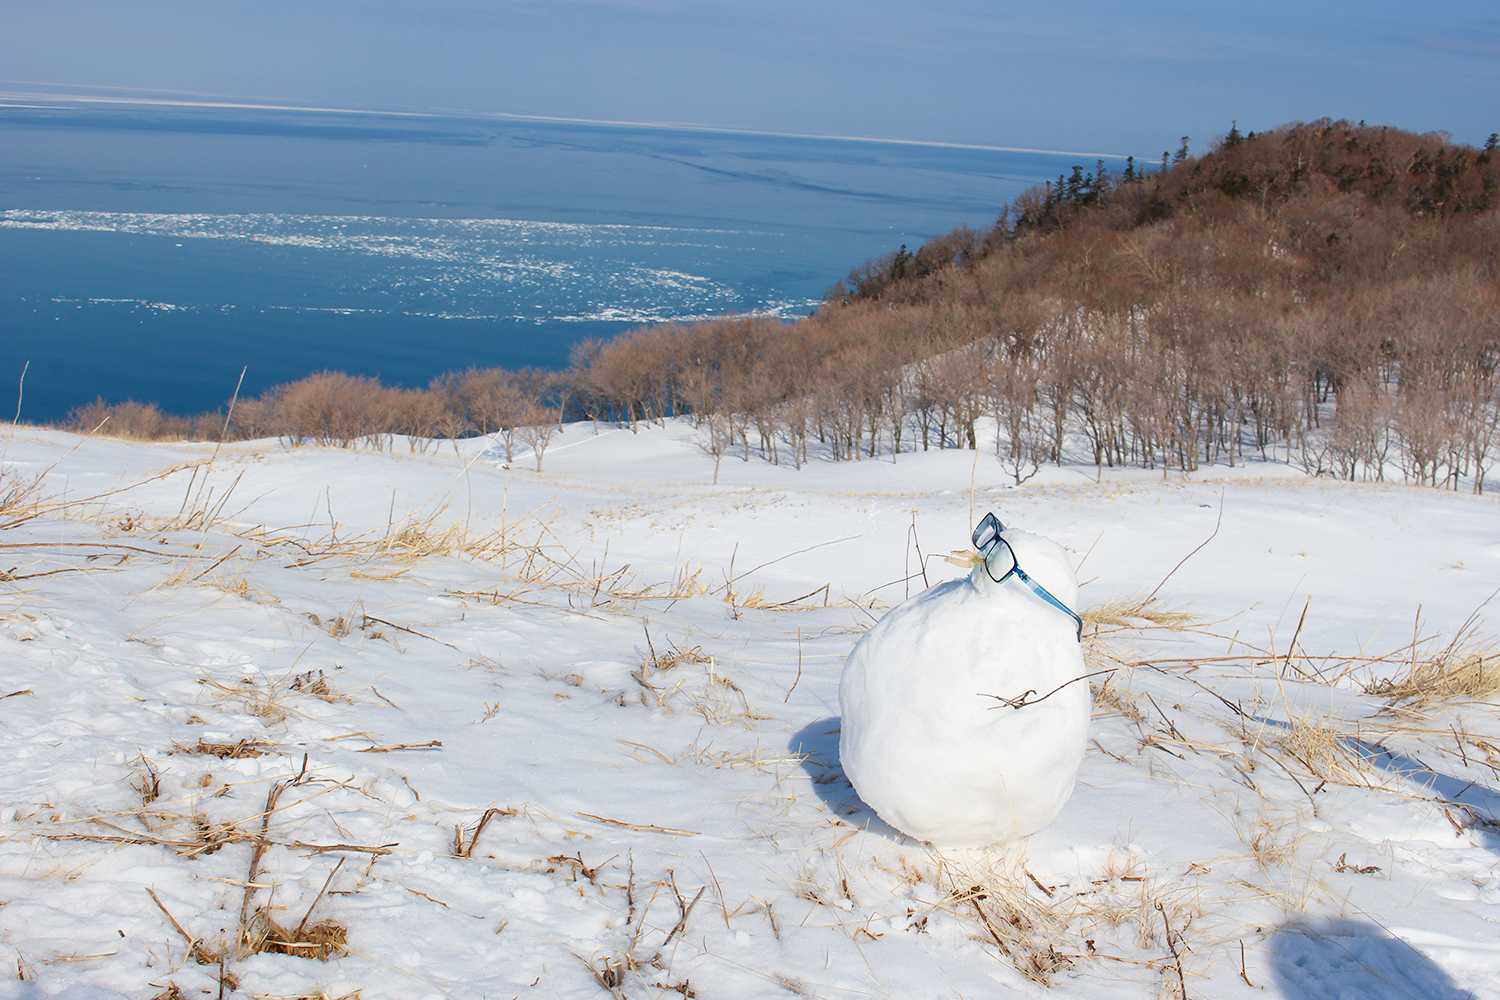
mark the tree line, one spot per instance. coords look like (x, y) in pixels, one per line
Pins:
(1325, 292)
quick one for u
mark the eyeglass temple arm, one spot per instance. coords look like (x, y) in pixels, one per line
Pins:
(1041, 592)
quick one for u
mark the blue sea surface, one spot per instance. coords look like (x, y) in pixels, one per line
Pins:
(152, 254)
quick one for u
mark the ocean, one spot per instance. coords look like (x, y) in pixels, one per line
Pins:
(152, 253)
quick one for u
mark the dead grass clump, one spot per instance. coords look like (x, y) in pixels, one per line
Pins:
(1133, 612)
(148, 782)
(317, 686)
(209, 837)
(1110, 697)
(761, 759)
(721, 701)
(675, 656)
(1023, 932)
(1123, 895)
(1120, 912)
(755, 599)
(1467, 668)
(687, 584)
(610, 974)
(242, 748)
(1263, 836)
(1327, 753)
(20, 497)
(1025, 927)
(792, 985)
(338, 626)
(172, 992)
(269, 702)
(263, 703)
(323, 940)
(238, 586)
(416, 540)
(660, 663)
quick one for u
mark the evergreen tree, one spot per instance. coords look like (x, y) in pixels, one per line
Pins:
(1076, 185)
(1101, 182)
(899, 263)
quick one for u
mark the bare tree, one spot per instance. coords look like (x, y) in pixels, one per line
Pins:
(537, 429)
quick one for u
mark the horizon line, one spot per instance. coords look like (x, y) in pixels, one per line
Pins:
(253, 104)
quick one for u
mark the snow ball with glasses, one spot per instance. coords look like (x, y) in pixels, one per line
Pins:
(964, 709)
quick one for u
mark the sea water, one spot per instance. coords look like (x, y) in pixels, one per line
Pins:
(153, 254)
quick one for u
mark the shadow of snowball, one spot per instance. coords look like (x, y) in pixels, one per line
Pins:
(818, 745)
(1352, 960)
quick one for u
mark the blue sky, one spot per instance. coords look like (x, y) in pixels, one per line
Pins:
(1079, 75)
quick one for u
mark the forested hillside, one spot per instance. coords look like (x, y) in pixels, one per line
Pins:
(1327, 293)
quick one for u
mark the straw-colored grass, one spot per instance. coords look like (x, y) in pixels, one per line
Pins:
(270, 700)
(1325, 751)
(1134, 612)
(722, 702)
(1117, 914)
(1467, 668)
(247, 747)
(323, 940)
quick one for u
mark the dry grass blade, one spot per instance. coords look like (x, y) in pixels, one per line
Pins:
(195, 947)
(326, 883)
(403, 628)
(207, 843)
(686, 911)
(610, 974)
(643, 827)
(299, 845)
(261, 843)
(466, 851)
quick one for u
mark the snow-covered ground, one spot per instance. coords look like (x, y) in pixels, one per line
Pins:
(575, 733)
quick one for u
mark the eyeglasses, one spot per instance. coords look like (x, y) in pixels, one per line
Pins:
(1000, 563)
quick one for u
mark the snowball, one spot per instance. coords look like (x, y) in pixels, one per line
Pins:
(919, 740)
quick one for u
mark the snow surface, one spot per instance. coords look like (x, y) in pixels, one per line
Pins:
(923, 738)
(640, 672)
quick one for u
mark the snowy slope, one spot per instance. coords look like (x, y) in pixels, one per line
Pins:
(633, 676)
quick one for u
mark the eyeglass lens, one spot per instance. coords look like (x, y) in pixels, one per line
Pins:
(986, 532)
(999, 561)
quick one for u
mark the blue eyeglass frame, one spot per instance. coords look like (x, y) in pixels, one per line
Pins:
(987, 541)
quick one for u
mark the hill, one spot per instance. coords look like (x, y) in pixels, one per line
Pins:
(1326, 294)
